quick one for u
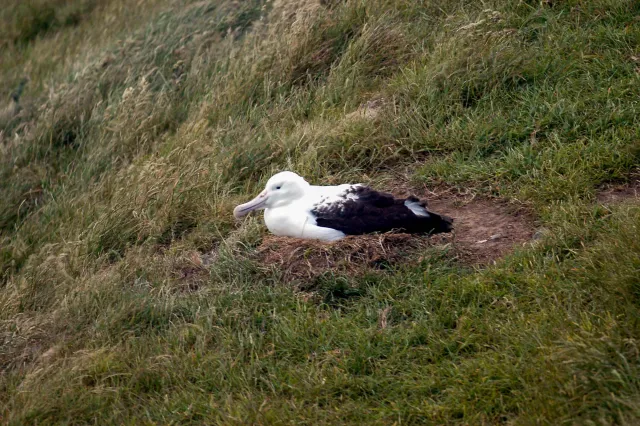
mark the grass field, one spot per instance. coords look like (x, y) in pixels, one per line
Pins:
(130, 295)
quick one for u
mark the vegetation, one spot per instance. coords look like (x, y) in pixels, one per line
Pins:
(144, 123)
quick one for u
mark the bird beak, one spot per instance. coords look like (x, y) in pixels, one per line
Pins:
(255, 204)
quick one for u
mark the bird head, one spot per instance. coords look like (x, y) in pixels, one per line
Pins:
(281, 189)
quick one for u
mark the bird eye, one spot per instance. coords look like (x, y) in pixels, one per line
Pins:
(278, 187)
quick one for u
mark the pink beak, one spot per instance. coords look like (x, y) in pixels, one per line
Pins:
(255, 204)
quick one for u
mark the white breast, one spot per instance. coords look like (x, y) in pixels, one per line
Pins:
(288, 220)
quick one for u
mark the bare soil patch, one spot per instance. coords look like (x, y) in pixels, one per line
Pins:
(191, 272)
(485, 230)
(618, 193)
(21, 348)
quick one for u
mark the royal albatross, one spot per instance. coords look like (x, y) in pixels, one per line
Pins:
(294, 208)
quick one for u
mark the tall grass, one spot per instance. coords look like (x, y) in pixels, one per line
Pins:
(144, 123)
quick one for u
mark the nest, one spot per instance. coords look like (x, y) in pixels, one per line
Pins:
(307, 259)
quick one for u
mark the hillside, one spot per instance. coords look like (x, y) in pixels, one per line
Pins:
(130, 130)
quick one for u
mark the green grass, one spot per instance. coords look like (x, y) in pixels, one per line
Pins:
(144, 123)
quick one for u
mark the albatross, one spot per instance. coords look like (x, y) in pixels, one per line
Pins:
(294, 208)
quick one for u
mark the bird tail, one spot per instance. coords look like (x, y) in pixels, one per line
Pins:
(428, 221)
(419, 208)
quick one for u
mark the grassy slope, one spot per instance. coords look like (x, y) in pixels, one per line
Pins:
(144, 123)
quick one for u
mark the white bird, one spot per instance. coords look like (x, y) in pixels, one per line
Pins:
(294, 208)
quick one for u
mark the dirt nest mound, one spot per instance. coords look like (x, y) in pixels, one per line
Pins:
(306, 259)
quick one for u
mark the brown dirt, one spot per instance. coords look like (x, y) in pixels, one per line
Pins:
(484, 230)
(190, 272)
(618, 193)
(23, 347)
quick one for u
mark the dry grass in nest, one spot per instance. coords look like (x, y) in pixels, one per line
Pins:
(306, 259)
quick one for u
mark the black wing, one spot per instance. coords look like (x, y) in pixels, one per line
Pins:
(367, 211)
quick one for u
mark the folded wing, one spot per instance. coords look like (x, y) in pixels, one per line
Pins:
(362, 210)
